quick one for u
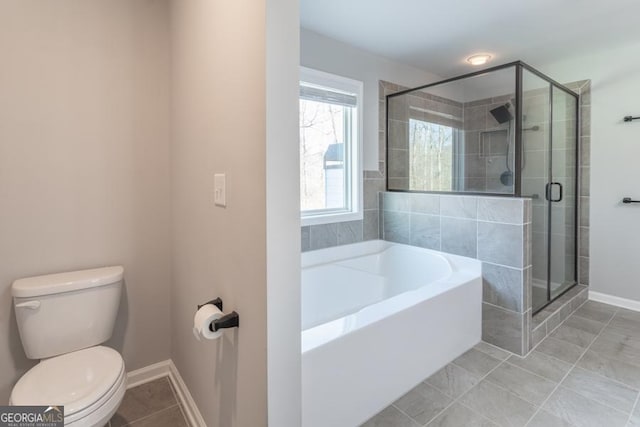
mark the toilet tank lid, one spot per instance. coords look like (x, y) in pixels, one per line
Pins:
(66, 282)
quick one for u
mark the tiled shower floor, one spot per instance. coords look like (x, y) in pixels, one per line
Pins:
(153, 404)
(586, 373)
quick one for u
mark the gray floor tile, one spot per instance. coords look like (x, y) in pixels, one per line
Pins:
(453, 380)
(626, 339)
(592, 395)
(618, 347)
(423, 403)
(524, 384)
(628, 314)
(560, 349)
(477, 362)
(542, 364)
(574, 336)
(144, 400)
(623, 323)
(587, 325)
(458, 415)
(492, 350)
(498, 405)
(582, 412)
(596, 311)
(620, 371)
(391, 417)
(172, 417)
(601, 389)
(545, 419)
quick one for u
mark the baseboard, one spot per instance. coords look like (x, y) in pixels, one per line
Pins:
(148, 373)
(613, 300)
(188, 404)
(167, 368)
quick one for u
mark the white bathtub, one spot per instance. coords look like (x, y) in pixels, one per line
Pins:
(378, 318)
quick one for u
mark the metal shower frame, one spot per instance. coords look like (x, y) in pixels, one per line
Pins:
(519, 67)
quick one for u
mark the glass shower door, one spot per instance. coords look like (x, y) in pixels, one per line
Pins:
(536, 170)
(562, 192)
(548, 164)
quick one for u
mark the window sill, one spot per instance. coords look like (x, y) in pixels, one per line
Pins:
(331, 218)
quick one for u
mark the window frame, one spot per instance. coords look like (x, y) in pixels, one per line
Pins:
(353, 153)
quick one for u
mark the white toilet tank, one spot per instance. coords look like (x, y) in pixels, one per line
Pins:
(60, 313)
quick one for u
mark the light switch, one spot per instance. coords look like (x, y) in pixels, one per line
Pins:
(219, 190)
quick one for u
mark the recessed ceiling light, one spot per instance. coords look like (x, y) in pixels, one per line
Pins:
(479, 59)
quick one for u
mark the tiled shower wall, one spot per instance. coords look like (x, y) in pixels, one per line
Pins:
(482, 147)
(485, 143)
(417, 105)
(493, 230)
(584, 174)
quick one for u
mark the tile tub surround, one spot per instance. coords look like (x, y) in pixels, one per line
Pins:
(343, 233)
(150, 404)
(494, 230)
(587, 373)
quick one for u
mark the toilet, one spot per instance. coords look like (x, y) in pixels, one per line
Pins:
(63, 318)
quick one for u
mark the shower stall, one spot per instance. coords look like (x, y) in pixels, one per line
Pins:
(508, 131)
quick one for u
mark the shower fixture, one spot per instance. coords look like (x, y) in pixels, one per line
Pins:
(502, 113)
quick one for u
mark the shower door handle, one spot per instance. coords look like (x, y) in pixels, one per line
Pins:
(548, 190)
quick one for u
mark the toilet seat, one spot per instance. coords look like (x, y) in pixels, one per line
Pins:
(86, 382)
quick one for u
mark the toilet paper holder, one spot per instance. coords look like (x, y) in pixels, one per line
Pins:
(231, 320)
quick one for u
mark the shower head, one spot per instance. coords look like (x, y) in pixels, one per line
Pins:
(502, 114)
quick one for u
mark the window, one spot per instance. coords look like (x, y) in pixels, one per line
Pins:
(431, 154)
(330, 135)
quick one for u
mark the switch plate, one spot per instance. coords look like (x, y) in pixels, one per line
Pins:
(219, 189)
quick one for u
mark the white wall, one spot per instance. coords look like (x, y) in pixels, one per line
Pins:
(283, 214)
(615, 150)
(325, 54)
(84, 160)
(227, 68)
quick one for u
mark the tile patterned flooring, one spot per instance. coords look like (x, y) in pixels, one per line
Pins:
(585, 374)
(153, 404)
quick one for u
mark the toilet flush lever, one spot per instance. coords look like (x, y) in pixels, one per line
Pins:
(32, 305)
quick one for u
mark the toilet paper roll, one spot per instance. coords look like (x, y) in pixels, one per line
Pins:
(203, 318)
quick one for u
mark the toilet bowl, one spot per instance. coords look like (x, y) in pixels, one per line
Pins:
(89, 383)
(62, 318)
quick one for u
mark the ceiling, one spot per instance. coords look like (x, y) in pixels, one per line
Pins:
(437, 35)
